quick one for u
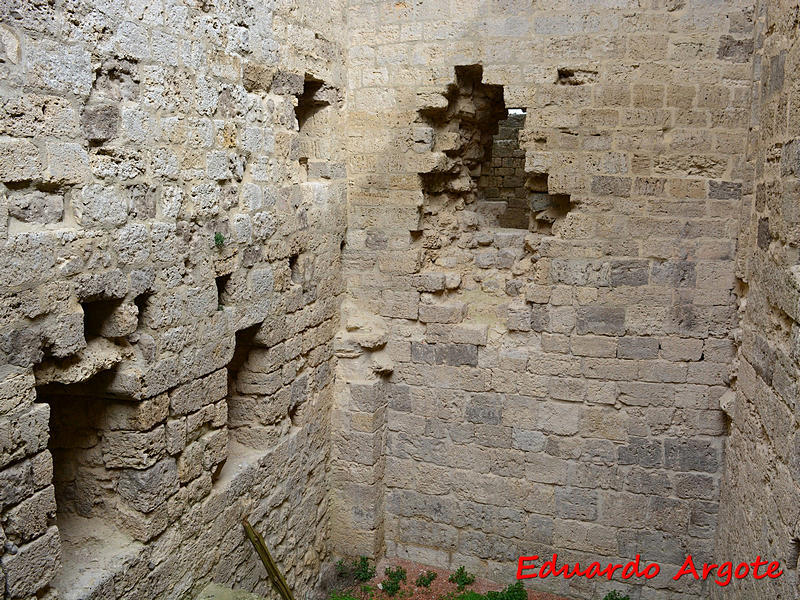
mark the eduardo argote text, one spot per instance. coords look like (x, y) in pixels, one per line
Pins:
(530, 567)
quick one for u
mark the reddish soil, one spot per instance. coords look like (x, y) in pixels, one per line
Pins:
(439, 588)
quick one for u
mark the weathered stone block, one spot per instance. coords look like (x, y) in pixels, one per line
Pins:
(100, 122)
(67, 163)
(576, 503)
(133, 449)
(602, 320)
(485, 408)
(19, 161)
(37, 207)
(29, 519)
(442, 313)
(196, 394)
(691, 455)
(33, 566)
(146, 489)
(101, 206)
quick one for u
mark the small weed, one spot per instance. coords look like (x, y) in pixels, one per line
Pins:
(362, 569)
(341, 596)
(462, 578)
(426, 579)
(515, 591)
(341, 568)
(391, 585)
(219, 240)
(615, 595)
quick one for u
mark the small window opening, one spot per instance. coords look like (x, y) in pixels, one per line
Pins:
(141, 302)
(793, 554)
(222, 284)
(295, 269)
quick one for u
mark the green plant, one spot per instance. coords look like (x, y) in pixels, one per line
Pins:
(426, 579)
(515, 591)
(462, 578)
(341, 568)
(362, 569)
(394, 576)
(335, 595)
(219, 240)
(615, 595)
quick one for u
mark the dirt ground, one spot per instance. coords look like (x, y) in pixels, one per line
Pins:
(440, 586)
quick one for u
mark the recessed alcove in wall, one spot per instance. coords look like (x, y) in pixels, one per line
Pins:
(240, 404)
(91, 544)
(313, 112)
(221, 282)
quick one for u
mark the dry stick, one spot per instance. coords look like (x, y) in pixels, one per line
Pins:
(272, 569)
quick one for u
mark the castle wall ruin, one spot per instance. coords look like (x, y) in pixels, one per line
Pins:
(447, 281)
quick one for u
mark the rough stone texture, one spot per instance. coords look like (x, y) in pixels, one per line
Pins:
(591, 408)
(762, 479)
(153, 206)
(534, 335)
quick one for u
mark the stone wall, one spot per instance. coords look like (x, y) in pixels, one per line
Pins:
(504, 391)
(296, 261)
(169, 292)
(759, 510)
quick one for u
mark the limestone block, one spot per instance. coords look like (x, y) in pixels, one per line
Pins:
(138, 416)
(29, 519)
(141, 526)
(100, 122)
(33, 566)
(67, 163)
(36, 207)
(19, 161)
(453, 312)
(23, 432)
(146, 489)
(192, 396)
(101, 206)
(16, 388)
(603, 320)
(133, 449)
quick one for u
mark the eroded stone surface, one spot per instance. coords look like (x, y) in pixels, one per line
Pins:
(297, 262)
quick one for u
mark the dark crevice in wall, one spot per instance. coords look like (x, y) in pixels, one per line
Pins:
(97, 316)
(221, 282)
(572, 76)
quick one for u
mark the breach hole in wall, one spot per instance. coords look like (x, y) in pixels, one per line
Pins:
(501, 185)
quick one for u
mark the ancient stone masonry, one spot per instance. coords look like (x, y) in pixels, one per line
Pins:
(170, 291)
(447, 281)
(762, 468)
(555, 379)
